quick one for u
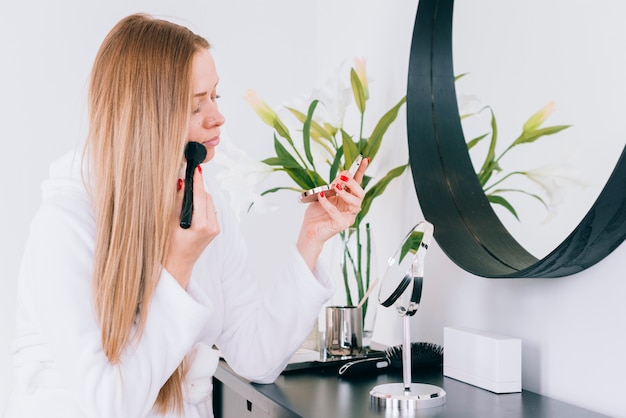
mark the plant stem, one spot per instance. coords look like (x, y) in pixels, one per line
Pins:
(359, 257)
(344, 267)
(502, 179)
(368, 266)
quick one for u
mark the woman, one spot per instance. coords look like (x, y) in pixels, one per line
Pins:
(118, 306)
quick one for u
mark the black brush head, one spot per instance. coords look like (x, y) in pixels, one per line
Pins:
(424, 356)
(195, 153)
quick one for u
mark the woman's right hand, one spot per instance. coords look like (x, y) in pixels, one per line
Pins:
(186, 245)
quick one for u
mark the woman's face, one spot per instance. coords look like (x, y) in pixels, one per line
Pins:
(206, 119)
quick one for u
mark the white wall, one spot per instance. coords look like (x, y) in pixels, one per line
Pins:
(572, 328)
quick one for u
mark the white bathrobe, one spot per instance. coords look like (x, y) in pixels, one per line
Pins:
(60, 367)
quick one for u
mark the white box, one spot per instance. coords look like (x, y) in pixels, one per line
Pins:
(489, 361)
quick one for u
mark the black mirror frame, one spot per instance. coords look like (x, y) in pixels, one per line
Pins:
(450, 196)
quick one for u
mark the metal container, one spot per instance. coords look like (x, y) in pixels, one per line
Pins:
(344, 330)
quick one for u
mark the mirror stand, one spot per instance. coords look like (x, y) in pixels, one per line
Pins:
(406, 396)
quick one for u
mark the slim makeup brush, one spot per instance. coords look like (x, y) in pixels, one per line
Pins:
(195, 153)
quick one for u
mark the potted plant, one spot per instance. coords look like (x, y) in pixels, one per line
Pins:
(319, 147)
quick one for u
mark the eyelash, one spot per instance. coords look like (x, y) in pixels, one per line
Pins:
(213, 98)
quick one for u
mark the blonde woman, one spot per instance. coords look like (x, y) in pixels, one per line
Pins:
(118, 306)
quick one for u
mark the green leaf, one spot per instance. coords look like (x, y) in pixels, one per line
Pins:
(358, 91)
(306, 179)
(306, 132)
(350, 149)
(499, 200)
(475, 141)
(494, 168)
(538, 118)
(366, 181)
(276, 189)
(534, 196)
(534, 135)
(378, 189)
(412, 244)
(330, 129)
(281, 129)
(490, 159)
(510, 174)
(334, 168)
(316, 129)
(280, 162)
(284, 155)
(299, 174)
(373, 143)
(320, 135)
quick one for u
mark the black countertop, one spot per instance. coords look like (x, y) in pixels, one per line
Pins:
(319, 392)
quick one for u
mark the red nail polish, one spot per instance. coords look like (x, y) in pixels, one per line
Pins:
(200, 169)
(338, 186)
(344, 178)
(321, 194)
(179, 185)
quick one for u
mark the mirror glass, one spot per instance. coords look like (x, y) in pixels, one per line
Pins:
(534, 53)
(402, 283)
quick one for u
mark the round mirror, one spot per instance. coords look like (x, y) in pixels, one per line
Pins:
(450, 195)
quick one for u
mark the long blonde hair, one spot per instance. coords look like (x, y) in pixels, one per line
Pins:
(139, 109)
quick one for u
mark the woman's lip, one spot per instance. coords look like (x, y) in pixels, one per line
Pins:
(212, 142)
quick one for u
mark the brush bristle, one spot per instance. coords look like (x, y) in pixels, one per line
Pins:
(195, 152)
(423, 356)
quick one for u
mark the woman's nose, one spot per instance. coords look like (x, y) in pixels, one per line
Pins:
(214, 119)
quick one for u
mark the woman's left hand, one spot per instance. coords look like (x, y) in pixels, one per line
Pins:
(329, 215)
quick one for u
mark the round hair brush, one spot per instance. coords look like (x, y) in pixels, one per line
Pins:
(424, 356)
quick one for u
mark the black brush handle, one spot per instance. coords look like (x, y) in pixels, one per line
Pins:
(362, 367)
(187, 210)
(195, 153)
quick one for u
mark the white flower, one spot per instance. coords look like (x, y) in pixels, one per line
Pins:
(556, 182)
(238, 177)
(335, 95)
(469, 104)
(360, 69)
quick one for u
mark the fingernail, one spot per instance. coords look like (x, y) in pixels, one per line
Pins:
(179, 185)
(321, 194)
(367, 159)
(200, 169)
(338, 186)
(344, 178)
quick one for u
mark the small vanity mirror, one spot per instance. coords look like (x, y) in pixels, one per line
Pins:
(402, 284)
(401, 288)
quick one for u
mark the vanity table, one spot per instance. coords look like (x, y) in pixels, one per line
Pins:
(320, 393)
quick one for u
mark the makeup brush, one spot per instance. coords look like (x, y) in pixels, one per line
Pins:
(195, 153)
(424, 356)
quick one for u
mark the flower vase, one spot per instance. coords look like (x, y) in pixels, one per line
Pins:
(356, 260)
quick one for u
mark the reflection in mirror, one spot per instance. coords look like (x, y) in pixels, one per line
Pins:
(518, 58)
(402, 283)
(450, 195)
